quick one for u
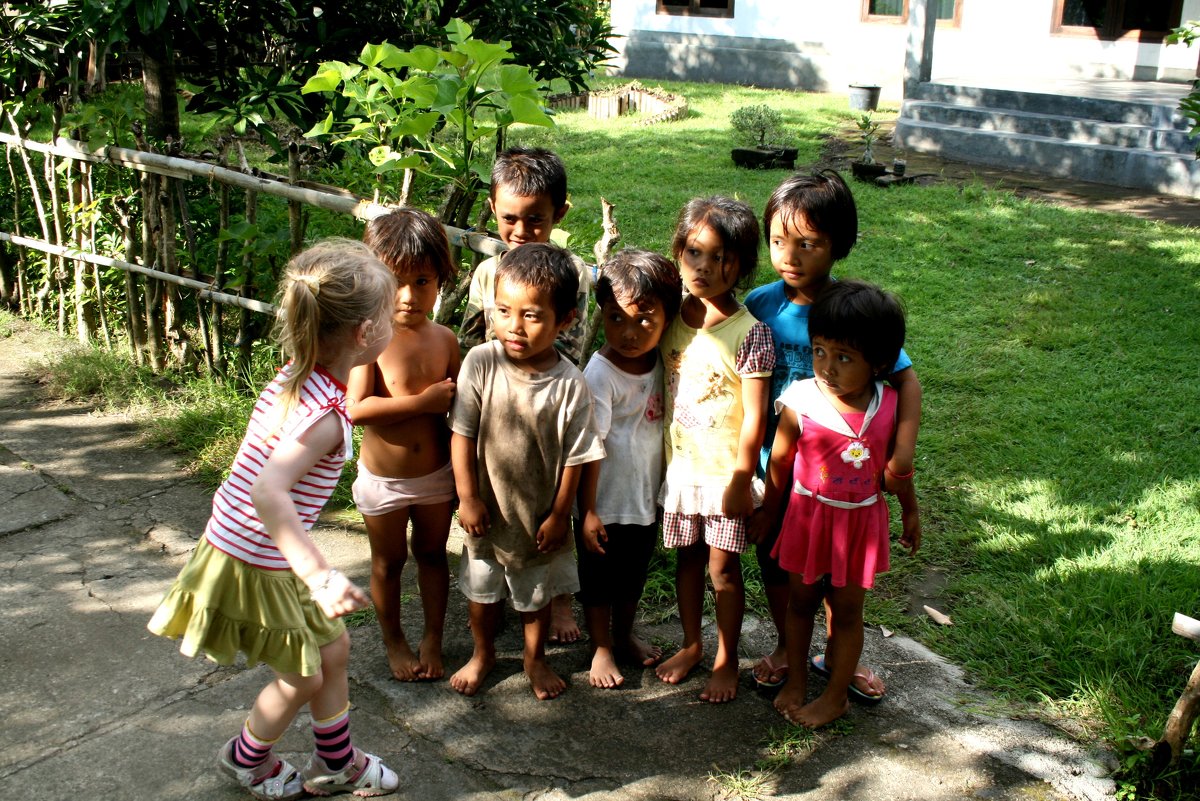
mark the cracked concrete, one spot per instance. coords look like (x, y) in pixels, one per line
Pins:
(95, 525)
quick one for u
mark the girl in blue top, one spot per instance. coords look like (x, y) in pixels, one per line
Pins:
(811, 222)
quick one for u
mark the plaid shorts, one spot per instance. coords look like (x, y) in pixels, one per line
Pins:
(718, 531)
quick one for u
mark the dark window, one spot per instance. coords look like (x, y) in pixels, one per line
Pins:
(1113, 19)
(697, 8)
(946, 11)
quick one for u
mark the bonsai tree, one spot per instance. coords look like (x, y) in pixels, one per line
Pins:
(869, 132)
(757, 125)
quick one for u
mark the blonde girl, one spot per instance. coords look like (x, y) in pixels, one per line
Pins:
(718, 361)
(257, 583)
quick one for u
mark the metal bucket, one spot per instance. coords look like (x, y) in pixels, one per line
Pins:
(864, 97)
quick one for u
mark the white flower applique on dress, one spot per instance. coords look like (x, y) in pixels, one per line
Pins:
(856, 452)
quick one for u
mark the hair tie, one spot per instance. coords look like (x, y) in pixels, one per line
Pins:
(312, 282)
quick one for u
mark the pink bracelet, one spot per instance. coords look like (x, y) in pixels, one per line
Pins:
(899, 477)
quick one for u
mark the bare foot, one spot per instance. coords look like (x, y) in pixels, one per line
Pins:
(722, 685)
(563, 627)
(604, 673)
(470, 676)
(821, 712)
(675, 669)
(403, 662)
(546, 683)
(790, 700)
(639, 652)
(431, 666)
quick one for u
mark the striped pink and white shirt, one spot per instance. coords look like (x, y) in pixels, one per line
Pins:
(234, 527)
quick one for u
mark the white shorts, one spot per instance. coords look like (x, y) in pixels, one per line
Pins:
(486, 581)
(377, 495)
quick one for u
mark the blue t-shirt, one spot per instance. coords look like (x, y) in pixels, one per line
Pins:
(793, 350)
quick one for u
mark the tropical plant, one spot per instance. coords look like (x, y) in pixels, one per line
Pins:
(869, 133)
(757, 125)
(428, 110)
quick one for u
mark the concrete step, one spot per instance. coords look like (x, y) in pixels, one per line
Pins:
(1056, 126)
(1101, 163)
(1130, 112)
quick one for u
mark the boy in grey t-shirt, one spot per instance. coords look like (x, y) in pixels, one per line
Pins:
(522, 430)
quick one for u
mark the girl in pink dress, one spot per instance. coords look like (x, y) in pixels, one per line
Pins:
(836, 432)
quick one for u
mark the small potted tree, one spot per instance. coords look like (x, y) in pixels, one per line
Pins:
(866, 168)
(758, 128)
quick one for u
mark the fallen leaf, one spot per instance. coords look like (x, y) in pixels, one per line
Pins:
(938, 617)
(886, 631)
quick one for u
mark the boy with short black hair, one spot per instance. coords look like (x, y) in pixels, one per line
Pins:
(522, 430)
(528, 197)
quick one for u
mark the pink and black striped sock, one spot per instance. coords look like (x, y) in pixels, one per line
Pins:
(332, 738)
(250, 750)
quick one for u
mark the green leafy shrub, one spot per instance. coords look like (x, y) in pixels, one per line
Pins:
(757, 125)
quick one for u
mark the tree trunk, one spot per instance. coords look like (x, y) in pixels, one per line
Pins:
(159, 85)
(97, 64)
(153, 296)
(133, 299)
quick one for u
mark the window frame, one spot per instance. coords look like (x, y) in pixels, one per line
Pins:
(902, 19)
(693, 9)
(1112, 32)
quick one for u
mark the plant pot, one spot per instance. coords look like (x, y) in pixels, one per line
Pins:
(764, 158)
(864, 97)
(867, 172)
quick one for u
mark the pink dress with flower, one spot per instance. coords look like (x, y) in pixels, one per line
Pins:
(837, 519)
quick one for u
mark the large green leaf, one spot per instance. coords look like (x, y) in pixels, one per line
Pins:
(458, 31)
(322, 128)
(516, 80)
(419, 125)
(484, 53)
(530, 112)
(420, 89)
(421, 57)
(328, 78)
(375, 54)
(151, 14)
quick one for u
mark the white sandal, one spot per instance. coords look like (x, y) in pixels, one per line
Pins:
(274, 780)
(372, 778)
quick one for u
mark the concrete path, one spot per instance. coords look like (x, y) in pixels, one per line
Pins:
(94, 525)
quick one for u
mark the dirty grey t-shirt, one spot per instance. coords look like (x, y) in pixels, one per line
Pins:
(527, 428)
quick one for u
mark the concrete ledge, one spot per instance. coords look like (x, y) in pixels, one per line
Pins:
(1105, 164)
(1058, 126)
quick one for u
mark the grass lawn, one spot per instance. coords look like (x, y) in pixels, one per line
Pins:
(1058, 467)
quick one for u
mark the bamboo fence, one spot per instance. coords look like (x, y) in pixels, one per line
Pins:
(67, 211)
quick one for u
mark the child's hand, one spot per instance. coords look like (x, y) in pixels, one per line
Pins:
(335, 594)
(737, 501)
(593, 533)
(439, 397)
(551, 533)
(910, 537)
(759, 526)
(473, 516)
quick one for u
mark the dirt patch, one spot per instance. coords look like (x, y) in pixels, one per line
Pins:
(844, 147)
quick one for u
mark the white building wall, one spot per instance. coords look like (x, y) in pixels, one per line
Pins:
(833, 47)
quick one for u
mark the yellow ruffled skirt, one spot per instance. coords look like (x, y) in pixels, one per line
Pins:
(219, 605)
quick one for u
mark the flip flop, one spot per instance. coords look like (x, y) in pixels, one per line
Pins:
(817, 663)
(779, 670)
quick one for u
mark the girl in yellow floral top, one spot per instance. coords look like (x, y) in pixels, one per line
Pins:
(718, 361)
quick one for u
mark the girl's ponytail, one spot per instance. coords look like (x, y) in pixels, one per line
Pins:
(329, 290)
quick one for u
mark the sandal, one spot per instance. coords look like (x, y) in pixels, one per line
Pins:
(776, 674)
(817, 663)
(273, 780)
(371, 777)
